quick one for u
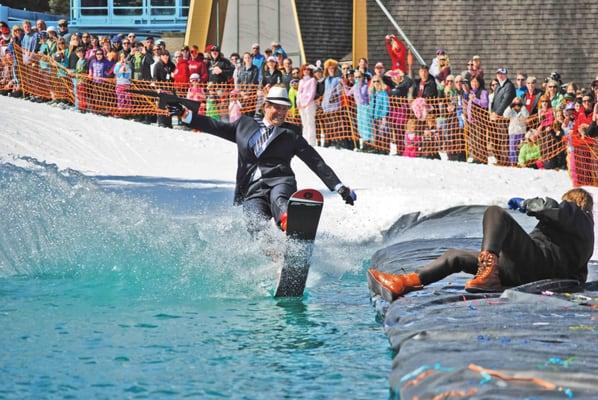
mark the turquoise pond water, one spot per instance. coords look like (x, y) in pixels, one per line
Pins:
(126, 287)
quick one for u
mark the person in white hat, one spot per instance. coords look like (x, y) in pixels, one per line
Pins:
(266, 145)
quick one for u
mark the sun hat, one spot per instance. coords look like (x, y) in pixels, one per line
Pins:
(278, 95)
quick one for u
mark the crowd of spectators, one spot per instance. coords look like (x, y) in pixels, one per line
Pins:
(566, 113)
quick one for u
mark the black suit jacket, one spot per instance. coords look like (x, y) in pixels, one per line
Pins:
(275, 160)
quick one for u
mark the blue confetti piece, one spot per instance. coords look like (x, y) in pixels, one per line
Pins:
(486, 377)
(414, 373)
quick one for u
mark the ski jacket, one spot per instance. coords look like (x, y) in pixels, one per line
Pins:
(565, 233)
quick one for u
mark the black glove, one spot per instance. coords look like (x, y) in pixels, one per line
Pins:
(347, 194)
(175, 109)
(537, 204)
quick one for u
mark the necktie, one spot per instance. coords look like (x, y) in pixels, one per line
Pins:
(258, 148)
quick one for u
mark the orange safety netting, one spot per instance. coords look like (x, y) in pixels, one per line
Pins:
(433, 128)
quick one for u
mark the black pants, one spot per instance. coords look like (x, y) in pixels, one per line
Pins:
(264, 202)
(165, 121)
(521, 259)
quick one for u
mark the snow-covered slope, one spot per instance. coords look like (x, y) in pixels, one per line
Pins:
(386, 186)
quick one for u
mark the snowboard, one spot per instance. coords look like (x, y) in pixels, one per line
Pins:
(303, 215)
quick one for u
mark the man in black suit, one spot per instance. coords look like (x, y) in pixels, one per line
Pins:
(265, 180)
(504, 93)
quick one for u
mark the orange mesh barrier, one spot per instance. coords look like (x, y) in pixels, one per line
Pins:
(448, 128)
(583, 160)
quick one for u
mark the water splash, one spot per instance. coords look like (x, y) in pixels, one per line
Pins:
(60, 224)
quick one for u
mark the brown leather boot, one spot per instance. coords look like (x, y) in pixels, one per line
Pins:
(487, 278)
(391, 286)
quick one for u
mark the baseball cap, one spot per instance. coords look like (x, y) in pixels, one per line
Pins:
(255, 46)
(440, 51)
(502, 70)
(194, 77)
(214, 48)
(272, 58)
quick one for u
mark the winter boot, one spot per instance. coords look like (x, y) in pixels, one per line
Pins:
(391, 286)
(487, 278)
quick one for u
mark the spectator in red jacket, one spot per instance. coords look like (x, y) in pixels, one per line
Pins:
(397, 52)
(181, 73)
(584, 115)
(197, 65)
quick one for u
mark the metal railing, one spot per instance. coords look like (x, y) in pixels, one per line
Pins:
(144, 14)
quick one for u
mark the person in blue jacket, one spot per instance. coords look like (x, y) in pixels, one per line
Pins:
(559, 247)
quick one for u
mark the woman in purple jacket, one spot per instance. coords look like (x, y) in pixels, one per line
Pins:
(98, 72)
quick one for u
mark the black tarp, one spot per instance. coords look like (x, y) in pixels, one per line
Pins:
(535, 341)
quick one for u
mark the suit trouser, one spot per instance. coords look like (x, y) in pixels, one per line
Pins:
(521, 260)
(265, 202)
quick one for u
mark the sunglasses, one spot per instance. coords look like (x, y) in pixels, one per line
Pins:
(516, 105)
(62, 24)
(551, 87)
(586, 101)
(520, 80)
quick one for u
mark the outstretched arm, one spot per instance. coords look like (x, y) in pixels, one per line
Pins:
(209, 125)
(316, 163)
(567, 215)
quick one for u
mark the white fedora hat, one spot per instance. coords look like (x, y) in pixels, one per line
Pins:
(278, 95)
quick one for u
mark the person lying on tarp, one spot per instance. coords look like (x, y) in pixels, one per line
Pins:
(559, 247)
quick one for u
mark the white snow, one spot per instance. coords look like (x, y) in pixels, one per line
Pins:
(386, 186)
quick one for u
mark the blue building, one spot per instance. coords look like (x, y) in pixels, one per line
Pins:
(129, 15)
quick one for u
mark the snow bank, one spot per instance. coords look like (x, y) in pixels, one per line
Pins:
(386, 186)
